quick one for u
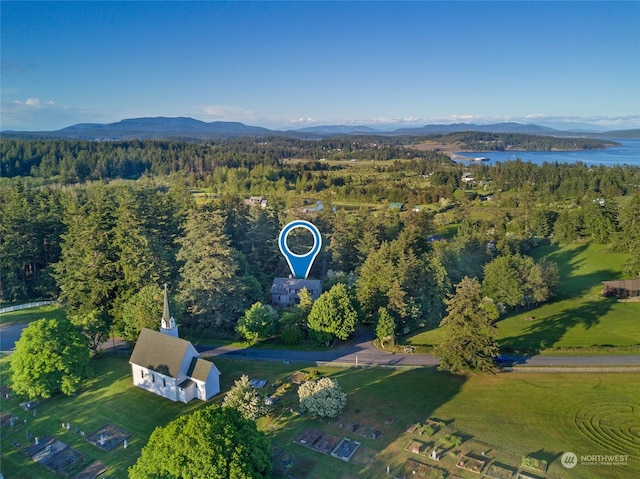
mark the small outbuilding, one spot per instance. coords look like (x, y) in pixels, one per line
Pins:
(624, 288)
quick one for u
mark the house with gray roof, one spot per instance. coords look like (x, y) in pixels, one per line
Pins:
(169, 366)
(284, 291)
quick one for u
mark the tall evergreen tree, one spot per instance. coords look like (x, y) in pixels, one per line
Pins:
(30, 226)
(210, 286)
(139, 238)
(260, 246)
(470, 335)
(344, 241)
(87, 271)
(374, 280)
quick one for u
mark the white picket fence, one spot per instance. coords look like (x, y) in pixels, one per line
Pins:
(18, 307)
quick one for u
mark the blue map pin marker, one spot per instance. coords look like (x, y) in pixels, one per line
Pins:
(300, 264)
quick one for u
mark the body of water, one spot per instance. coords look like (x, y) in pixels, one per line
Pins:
(628, 153)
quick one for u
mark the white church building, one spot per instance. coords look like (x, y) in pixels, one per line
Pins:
(170, 367)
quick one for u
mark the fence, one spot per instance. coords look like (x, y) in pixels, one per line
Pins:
(18, 307)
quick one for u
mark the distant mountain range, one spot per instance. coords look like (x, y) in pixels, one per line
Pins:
(182, 128)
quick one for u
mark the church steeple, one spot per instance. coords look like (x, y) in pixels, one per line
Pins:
(168, 323)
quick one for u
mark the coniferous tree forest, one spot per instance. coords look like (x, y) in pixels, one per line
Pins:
(94, 224)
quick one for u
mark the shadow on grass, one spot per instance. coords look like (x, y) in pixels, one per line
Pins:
(373, 397)
(546, 332)
(569, 262)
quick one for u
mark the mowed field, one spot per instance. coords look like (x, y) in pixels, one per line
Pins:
(579, 318)
(506, 416)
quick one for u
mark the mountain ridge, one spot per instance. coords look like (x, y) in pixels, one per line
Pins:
(187, 128)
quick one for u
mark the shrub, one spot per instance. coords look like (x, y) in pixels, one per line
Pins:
(322, 397)
(246, 399)
(451, 440)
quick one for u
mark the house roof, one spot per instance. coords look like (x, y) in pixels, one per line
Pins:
(159, 352)
(628, 284)
(199, 369)
(283, 285)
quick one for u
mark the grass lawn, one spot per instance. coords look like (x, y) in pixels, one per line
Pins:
(508, 415)
(579, 318)
(51, 311)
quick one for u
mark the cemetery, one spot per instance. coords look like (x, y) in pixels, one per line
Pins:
(415, 470)
(289, 465)
(58, 457)
(95, 469)
(55, 455)
(471, 463)
(108, 437)
(52, 450)
(500, 471)
(345, 449)
(534, 464)
(125, 412)
(417, 447)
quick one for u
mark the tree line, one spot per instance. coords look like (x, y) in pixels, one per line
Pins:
(72, 161)
(105, 248)
(486, 141)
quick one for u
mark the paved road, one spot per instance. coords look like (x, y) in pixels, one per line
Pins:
(362, 352)
(9, 334)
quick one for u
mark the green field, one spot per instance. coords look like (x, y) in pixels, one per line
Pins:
(508, 416)
(579, 318)
(52, 311)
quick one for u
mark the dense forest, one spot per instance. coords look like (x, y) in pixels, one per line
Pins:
(71, 161)
(101, 225)
(482, 141)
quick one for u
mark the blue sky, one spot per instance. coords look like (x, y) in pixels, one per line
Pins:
(297, 64)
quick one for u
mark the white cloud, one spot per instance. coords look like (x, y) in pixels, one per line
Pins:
(34, 114)
(465, 118)
(35, 102)
(304, 121)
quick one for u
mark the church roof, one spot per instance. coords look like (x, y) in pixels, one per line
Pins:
(199, 369)
(159, 352)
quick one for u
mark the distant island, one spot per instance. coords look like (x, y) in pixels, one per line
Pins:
(471, 141)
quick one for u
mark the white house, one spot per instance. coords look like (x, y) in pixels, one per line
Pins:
(256, 201)
(168, 366)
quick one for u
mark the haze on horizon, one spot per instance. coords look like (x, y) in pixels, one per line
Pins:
(286, 65)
